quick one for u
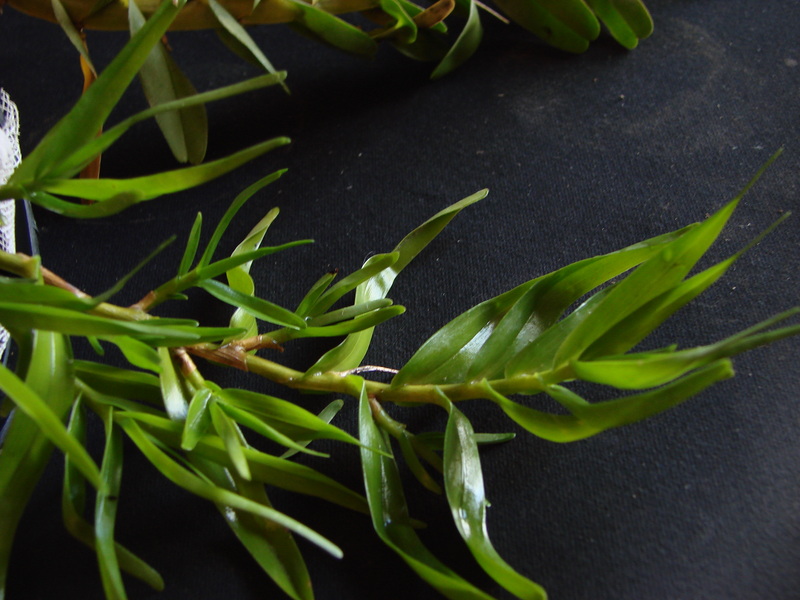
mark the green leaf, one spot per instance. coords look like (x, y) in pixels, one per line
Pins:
(239, 278)
(74, 36)
(186, 131)
(465, 45)
(352, 350)
(261, 427)
(360, 323)
(198, 419)
(326, 414)
(115, 381)
(403, 30)
(628, 21)
(226, 219)
(44, 358)
(148, 187)
(575, 15)
(122, 281)
(97, 145)
(326, 28)
(390, 517)
(650, 369)
(290, 419)
(348, 312)
(49, 422)
(73, 501)
(185, 479)
(463, 482)
(655, 276)
(373, 265)
(50, 318)
(137, 353)
(236, 36)
(261, 309)
(173, 387)
(483, 340)
(534, 17)
(313, 294)
(106, 512)
(274, 548)
(28, 291)
(409, 448)
(83, 122)
(586, 420)
(234, 442)
(192, 243)
(264, 467)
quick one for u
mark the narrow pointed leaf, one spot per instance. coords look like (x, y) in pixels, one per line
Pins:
(187, 480)
(111, 380)
(198, 419)
(83, 122)
(186, 131)
(481, 342)
(265, 468)
(31, 403)
(586, 420)
(627, 20)
(190, 252)
(326, 414)
(390, 517)
(273, 547)
(326, 28)
(313, 294)
(264, 429)
(51, 318)
(374, 265)
(26, 443)
(173, 387)
(96, 146)
(645, 369)
(463, 481)
(465, 45)
(246, 45)
(531, 15)
(73, 501)
(148, 187)
(137, 353)
(239, 278)
(261, 309)
(655, 276)
(352, 350)
(232, 438)
(349, 312)
(106, 513)
(226, 219)
(74, 36)
(358, 324)
(288, 418)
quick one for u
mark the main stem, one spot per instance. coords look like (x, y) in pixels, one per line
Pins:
(236, 355)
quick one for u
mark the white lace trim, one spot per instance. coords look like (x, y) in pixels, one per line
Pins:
(9, 159)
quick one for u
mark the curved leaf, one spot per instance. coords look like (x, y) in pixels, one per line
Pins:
(463, 482)
(352, 350)
(390, 517)
(187, 480)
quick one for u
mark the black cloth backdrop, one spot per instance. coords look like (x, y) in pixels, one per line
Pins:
(582, 155)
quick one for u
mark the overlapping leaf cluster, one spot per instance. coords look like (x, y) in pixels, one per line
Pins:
(423, 32)
(199, 434)
(203, 437)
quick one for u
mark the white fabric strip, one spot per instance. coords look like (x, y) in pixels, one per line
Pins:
(9, 159)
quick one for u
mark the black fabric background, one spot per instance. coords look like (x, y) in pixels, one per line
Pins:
(582, 155)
